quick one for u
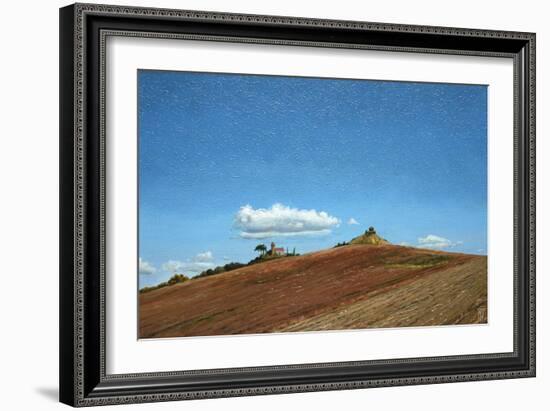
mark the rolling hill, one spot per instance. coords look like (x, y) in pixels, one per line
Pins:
(350, 287)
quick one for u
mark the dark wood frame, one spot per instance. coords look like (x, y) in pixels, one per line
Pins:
(83, 29)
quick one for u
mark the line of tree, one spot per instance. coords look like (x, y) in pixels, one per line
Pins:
(220, 269)
(179, 278)
(343, 243)
(175, 279)
(261, 248)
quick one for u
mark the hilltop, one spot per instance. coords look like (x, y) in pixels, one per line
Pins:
(353, 286)
(369, 238)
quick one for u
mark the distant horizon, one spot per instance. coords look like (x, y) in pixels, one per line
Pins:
(430, 242)
(229, 161)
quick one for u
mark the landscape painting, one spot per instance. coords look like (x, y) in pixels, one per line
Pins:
(273, 204)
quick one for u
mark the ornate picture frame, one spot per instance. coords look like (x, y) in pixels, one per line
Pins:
(84, 30)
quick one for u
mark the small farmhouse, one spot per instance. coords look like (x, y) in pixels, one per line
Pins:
(277, 251)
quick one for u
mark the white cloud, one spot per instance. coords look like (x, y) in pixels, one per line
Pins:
(185, 267)
(353, 221)
(172, 265)
(204, 257)
(435, 241)
(281, 220)
(199, 263)
(145, 267)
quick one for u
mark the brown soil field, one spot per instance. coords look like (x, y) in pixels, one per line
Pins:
(349, 287)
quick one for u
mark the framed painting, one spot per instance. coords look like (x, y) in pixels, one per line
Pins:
(261, 204)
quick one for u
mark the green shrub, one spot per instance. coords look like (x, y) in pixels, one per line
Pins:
(175, 279)
(220, 269)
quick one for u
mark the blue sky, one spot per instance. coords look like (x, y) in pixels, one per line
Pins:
(230, 161)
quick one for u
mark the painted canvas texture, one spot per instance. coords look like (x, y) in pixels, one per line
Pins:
(275, 204)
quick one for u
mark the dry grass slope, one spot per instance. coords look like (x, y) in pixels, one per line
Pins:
(350, 287)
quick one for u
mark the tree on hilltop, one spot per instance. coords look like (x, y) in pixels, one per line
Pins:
(261, 248)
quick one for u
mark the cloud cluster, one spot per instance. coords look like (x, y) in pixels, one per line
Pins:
(353, 221)
(204, 257)
(435, 241)
(146, 268)
(199, 263)
(281, 220)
